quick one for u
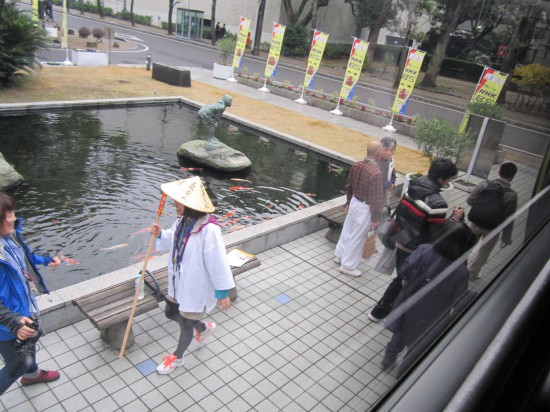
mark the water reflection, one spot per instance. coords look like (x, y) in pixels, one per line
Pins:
(92, 181)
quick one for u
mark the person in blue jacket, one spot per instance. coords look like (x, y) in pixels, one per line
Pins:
(19, 281)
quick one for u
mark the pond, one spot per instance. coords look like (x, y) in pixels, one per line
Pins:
(92, 181)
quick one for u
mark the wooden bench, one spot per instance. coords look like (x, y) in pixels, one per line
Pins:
(160, 278)
(336, 217)
(109, 309)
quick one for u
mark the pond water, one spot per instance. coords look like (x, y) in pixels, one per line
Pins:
(92, 181)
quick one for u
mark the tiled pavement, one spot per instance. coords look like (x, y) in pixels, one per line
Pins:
(297, 339)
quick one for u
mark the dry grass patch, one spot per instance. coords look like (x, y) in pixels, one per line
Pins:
(84, 83)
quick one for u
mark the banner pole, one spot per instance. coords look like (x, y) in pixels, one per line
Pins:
(264, 89)
(140, 283)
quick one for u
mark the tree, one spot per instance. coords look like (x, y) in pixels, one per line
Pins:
(100, 9)
(523, 28)
(451, 13)
(132, 13)
(414, 9)
(171, 5)
(293, 15)
(20, 38)
(259, 29)
(213, 22)
(371, 14)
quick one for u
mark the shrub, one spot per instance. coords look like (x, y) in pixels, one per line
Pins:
(485, 109)
(337, 51)
(389, 60)
(226, 47)
(20, 38)
(295, 42)
(84, 32)
(439, 138)
(98, 34)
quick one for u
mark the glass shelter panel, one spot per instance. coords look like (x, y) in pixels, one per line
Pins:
(189, 23)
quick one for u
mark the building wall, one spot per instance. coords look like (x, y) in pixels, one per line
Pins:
(335, 19)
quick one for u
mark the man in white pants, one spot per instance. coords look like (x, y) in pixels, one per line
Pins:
(364, 191)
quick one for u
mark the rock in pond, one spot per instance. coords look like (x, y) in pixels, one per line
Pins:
(8, 175)
(214, 154)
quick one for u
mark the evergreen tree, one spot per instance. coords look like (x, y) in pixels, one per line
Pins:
(20, 37)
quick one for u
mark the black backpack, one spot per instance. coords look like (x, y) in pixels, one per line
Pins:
(488, 210)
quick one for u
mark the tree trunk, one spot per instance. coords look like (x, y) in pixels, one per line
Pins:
(376, 27)
(259, 28)
(132, 13)
(100, 9)
(407, 43)
(449, 23)
(213, 23)
(170, 10)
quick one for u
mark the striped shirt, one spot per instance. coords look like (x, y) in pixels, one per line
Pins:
(365, 184)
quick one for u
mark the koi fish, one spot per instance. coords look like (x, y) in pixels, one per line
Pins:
(262, 139)
(145, 229)
(310, 194)
(115, 247)
(236, 179)
(69, 261)
(150, 257)
(56, 221)
(141, 255)
(192, 169)
(301, 206)
(300, 153)
(239, 188)
(228, 214)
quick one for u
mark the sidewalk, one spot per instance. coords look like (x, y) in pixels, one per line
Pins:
(297, 339)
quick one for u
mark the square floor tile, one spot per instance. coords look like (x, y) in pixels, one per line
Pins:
(147, 367)
(283, 298)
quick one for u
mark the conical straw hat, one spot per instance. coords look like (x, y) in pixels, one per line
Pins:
(190, 193)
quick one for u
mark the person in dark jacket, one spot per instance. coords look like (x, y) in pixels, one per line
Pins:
(19, 279)
(435, 281)
(481, 252)
(420, 215)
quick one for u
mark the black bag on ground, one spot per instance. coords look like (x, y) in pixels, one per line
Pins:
(488, 210)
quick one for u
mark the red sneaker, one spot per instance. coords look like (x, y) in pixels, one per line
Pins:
(43, 377)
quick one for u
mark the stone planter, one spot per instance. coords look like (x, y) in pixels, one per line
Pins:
(222, 72)
(89, 58)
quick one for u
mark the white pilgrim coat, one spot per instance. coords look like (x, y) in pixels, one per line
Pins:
(204, 267)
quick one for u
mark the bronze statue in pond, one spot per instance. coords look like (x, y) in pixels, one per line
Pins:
(213, 112)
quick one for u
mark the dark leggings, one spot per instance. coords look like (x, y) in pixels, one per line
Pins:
(186, 327)
(384, 305)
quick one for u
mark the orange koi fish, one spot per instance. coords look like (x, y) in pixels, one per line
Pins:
(69, 261)
(56, 221)
(239, 188)
(150, 257)
(145, 229)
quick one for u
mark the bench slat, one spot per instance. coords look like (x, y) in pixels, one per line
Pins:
(124, 315)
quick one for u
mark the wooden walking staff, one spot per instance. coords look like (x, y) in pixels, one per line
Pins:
(140, 283)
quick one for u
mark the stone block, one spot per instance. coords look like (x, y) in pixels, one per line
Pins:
(175, 76)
